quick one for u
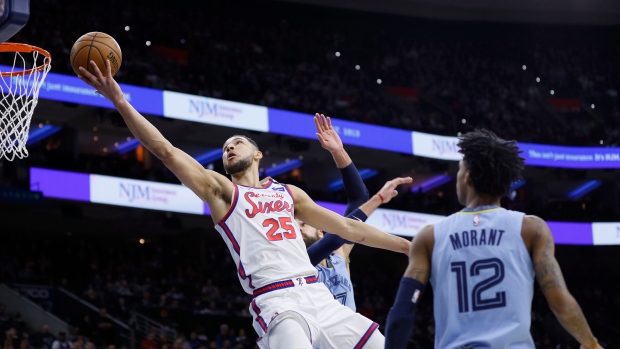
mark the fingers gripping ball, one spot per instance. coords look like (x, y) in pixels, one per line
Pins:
(98, 47)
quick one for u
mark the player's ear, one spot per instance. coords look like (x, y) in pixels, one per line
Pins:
(258, 155)
(467, 178)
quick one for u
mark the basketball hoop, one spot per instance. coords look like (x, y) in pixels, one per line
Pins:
(19, 94)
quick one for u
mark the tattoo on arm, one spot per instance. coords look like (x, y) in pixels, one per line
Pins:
(418, 274)
(548, 272)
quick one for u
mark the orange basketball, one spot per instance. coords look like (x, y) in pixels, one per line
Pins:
(98, 47)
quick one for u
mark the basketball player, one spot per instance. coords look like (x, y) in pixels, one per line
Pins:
(330, 253)
(290, 309)
(482, 262)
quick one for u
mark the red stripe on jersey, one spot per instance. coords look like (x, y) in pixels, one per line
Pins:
(272, 287)
(290, 193)
(268, 184)
(233, 204)
(311, 279)
(231, 237)
(366, 336)
(259, 318)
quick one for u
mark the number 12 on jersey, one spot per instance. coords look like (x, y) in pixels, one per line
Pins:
(274, 233)
(478, 303)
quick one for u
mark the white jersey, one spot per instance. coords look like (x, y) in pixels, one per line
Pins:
(263, 236)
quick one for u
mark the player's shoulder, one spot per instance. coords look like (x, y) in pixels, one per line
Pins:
(534, 230)
(428, 229)
(533, 223)
(269, 182)
(426, 236)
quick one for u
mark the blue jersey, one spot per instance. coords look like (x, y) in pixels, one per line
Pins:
(336, 278)
(483, 280)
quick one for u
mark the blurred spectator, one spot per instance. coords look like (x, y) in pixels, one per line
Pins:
(43, 339)
(194, 342)
(62, 342)
(103, 332)
(149, 342)
(11, 339)
(223, 336)
(242, 339)
(85, 327)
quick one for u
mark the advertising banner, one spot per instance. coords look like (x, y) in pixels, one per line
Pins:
(435, 147)
(215, 111)
(143, 194)
(353, 133)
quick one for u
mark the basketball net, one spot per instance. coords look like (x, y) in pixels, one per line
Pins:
(19, 94)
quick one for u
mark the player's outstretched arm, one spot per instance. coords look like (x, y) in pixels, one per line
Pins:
(354, 186)
(401, 318)
(210, 186)
(384, 195)
(349, 229)
(330, 242)
(551, 281)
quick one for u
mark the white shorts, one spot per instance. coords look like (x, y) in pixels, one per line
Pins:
(328, 324)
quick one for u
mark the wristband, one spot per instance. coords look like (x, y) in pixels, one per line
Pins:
(401, 318)
(381, 198)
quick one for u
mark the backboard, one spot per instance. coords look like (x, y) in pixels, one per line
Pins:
(14, 15)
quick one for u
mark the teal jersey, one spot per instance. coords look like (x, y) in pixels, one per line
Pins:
(483, 280)
(336, 278)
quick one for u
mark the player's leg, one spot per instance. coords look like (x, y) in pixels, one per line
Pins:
(341, 327)
(289, 334)
(281, 321)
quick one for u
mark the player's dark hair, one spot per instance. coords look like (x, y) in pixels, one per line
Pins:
(248, 139)
(494, 164)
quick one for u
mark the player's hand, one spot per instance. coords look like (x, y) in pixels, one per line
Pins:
(105, 85)
(593, 345)
(389, 189)
(327, 135)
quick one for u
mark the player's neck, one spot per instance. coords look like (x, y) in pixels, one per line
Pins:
(323, 263)
(482, 200)
(248, 178)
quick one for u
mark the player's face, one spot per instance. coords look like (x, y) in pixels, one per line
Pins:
(310, 234)
(237, 155)
(461, 186)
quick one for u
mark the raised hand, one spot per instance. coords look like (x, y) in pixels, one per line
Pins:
(389, 189)
(594, 345)
(105, 85)
(326, 134)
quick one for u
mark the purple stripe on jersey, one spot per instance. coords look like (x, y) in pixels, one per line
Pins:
(366, 336)
(232, 205)
(259, 318)
(231, 237)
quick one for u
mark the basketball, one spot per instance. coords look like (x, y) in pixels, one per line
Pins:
(98, 47)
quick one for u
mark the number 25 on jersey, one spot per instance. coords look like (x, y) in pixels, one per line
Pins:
(279, 229)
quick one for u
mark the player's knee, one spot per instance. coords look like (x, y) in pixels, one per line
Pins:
(290, 316)
(287, 330)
